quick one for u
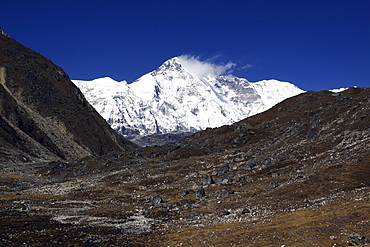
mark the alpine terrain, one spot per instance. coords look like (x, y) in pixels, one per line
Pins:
(180, 97)
(295, 175)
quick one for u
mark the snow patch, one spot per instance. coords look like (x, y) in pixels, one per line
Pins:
(338, 90)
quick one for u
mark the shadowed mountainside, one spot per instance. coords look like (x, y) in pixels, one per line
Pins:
(43, 115)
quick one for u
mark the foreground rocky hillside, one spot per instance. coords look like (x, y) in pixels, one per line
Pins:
(43, 115)
(295, 175)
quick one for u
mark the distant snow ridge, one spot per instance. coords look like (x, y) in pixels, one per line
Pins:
(181, 96)
(338, 90)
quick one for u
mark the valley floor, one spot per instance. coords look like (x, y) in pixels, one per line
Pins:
(45, 205)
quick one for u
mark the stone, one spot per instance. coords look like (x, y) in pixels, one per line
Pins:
(250, 166)
(355, 239)
(208, 181)
(223, 180)
(156, 200)
(223, 192)
(299, 175)
(274, 175)
(274, 184)
(184, 193)
(226, 212)
(246, 211)
(200, 192)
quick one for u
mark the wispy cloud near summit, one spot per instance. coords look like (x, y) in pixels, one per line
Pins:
(205, 68)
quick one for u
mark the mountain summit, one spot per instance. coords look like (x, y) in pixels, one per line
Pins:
(182, 95)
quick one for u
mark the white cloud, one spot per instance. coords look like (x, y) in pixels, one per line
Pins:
(204, 68)
(247, 66)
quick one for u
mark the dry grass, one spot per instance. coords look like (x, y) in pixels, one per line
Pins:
(324, 226)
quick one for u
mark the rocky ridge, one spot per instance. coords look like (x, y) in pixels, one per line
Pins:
(43, 115)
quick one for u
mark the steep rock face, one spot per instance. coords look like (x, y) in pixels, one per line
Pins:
(174, 98)
(43, 115)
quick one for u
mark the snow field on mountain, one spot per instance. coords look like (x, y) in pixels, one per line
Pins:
(181, 96)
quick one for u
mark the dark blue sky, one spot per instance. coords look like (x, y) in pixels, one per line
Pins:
(315, 44)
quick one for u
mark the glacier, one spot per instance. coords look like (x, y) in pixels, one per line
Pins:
(176, 98)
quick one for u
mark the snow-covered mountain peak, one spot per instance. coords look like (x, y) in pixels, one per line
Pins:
(105, 84)
(173, 69)
(172, 64)
(182, 95)
(108, 81)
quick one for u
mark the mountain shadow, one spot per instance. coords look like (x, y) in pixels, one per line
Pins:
(43, 115)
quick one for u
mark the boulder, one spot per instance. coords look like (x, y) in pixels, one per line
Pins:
(246, 211)
(208, 181)
(156, 200)
(200, 192)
